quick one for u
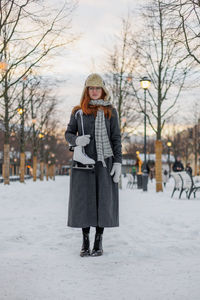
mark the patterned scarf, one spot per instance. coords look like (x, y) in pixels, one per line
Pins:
(103, 147)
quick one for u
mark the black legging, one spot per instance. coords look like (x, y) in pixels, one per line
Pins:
(98, 229)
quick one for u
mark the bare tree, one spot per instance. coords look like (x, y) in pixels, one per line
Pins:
(186, 141)
(29, 34)
(42, 106)
(186, 16)
(192, 143)
(163, 60)
(120, 68)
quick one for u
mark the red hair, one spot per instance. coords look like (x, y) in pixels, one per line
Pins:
(92, 109)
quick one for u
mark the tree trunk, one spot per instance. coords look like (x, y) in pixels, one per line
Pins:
(195, 163)
(17, 170)
(22, 166)
(13, 170)
(41, 171)
(50, 171)
(34, 168)
(47, 171)
(54, 169)
(158, 165)
(6, 163)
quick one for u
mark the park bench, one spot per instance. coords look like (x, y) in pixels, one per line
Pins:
(184, 182)
(195, 187)
(15, 178)
(177, 182)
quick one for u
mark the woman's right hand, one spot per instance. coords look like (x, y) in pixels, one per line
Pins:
(83, 140)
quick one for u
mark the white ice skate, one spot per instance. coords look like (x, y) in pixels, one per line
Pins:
(79, 152)
(81, 157)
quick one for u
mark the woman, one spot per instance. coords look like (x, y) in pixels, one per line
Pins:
(93, 197)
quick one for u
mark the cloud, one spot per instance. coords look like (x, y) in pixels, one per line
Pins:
(96, 3)
(98, 21)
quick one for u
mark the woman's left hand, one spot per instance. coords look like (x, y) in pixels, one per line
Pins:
(116, 171)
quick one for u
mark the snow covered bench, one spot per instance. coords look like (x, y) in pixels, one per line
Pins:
(177, 182)
(184, 182)
(131, 181)
(15, 178)
(195, 187)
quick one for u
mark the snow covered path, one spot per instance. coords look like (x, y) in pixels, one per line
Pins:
(153, 255)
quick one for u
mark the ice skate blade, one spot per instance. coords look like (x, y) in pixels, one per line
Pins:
(82, 167)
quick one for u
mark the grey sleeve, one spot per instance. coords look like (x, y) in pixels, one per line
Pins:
(71, 132)
(115, 136)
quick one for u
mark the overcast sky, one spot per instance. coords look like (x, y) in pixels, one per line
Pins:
(98, 22)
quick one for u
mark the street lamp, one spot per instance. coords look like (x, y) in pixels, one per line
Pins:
(169, 144)
(41, 135)
(20, 110)
(145, 84)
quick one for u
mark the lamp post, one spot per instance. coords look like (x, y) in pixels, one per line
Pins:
(6, 147)
(41, 136)
(169, 144)
(145, 84)
(46, 147)
(52, 172)
(21, 111)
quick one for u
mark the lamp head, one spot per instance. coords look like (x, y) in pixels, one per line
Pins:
(20, 111)
(169, 144)
(41, 135)
(145, 83)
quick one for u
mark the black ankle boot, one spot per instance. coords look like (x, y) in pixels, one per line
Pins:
(97, 249)
(85, 250)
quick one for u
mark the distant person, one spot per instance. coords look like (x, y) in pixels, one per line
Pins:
(178, 166)
(188, 169)
(134, 172)
(152, 170)
(165, 177)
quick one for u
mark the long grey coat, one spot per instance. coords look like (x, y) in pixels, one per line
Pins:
(94, 197)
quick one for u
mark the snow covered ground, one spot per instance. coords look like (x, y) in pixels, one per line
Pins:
(153, 255)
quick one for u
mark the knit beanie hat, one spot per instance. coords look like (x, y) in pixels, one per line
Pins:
(95, 80)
